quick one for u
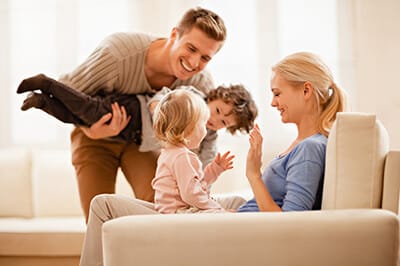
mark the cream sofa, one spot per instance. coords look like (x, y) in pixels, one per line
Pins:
(41, 222)
(358, 224)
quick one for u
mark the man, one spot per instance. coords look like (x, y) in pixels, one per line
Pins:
(136, 63)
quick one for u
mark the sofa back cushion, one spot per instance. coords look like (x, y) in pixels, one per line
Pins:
(355, 157)
(41, 183)
(15, 183)
(54, 185)
(55, 191)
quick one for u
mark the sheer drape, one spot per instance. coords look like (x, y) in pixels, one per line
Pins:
(55, 36)
(358, 39)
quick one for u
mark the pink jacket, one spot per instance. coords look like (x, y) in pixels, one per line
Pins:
(180, 182)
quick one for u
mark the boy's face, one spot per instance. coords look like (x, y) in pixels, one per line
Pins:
(191, 52)
(221, 115)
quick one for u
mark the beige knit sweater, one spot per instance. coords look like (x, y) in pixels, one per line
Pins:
(117, 65)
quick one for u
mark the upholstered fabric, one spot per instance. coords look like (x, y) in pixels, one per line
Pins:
(345, 237)
(41, 236)
(55, 191)
(357, 181)
(41, 222)
(41, 185)
(15, 182)
(391, 185)
(356, 151)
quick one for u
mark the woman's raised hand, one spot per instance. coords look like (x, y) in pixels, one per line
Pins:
(254, 155)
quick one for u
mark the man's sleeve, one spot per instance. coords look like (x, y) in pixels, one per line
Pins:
(98, 71)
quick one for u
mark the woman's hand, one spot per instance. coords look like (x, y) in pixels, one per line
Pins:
(225, 160)
(253, 172)
(102, 129)
(254, 155)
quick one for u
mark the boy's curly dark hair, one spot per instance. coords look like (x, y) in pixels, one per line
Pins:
(244, 107)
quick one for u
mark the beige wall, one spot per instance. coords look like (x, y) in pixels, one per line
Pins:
(373, 44)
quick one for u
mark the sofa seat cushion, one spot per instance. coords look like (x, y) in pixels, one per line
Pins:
(334, 237)
(41, 236)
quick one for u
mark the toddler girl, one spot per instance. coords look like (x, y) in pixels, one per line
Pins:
(181, 185)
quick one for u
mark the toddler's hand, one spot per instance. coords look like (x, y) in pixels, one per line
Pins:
(225, 160)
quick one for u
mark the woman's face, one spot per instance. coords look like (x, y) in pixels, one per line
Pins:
(287, 99)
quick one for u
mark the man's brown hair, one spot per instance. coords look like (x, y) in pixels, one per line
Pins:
(205, 20)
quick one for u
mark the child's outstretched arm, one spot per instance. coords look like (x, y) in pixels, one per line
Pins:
(225, 160)
(192, 187)
(220, 164)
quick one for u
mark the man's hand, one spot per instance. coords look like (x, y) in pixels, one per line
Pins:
(102, 129)
(225, 160)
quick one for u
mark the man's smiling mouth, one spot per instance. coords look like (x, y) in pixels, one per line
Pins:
(186, 67)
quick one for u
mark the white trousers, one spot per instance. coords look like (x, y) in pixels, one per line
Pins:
(106, 207)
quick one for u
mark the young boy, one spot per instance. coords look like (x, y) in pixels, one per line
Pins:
(231, 107)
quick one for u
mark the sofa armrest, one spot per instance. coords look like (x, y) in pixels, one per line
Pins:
(391, 182)
(334, 237)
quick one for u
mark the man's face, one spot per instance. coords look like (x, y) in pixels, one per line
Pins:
(191, 52)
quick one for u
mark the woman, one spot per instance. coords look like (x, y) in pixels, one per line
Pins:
(305, 94)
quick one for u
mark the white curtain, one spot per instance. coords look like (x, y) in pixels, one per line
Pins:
(53, 37)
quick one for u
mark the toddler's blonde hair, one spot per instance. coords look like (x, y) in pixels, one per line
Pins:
(177, 115)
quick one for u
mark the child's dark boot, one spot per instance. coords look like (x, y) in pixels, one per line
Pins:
(38, 82)
(33, 100)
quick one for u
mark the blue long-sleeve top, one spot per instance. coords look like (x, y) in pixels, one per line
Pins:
(295, 180)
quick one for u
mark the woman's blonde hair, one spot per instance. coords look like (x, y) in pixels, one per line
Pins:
(302, 67)
(177, 115)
